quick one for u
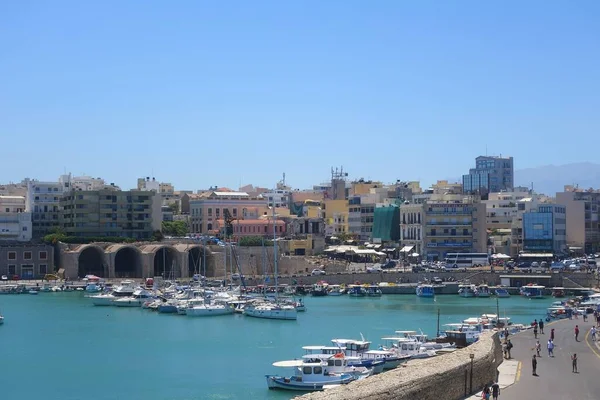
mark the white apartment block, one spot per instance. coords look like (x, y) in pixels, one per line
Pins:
(15, 222)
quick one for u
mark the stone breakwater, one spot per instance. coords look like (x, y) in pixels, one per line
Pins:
(435, 378)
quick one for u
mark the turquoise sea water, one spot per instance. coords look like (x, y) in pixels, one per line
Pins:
(59, 346)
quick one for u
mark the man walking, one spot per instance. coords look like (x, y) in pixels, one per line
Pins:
(495, 391)
(535, 330)
(550, 348)
(577, 333)
(541, 324)
(552, 334)
(509, 347)
(538, 348)
(574, 359)
(534, 365)
(593, 332)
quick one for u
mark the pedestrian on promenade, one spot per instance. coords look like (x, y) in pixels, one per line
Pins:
(486, 393)
(593, 332)
(552, 334)
(534, 365)
(541, 324)
(535, 331)
(584, 317)
(550, 348)
(538, 348)
(495, 391)
(504, 350)
(509, 347)
(574, 359)
(577, 333)
(506, 333)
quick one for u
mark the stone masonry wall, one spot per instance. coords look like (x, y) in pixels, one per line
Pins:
(442, 377)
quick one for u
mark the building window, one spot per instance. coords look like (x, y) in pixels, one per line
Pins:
(43, 255)
(210, 212)
(43, 269)
(27, 255)
(12, 269)
(12, 255)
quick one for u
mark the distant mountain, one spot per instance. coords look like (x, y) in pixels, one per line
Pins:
(550, 179)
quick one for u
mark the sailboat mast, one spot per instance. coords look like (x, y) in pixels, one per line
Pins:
(204, 257)
(275, 249)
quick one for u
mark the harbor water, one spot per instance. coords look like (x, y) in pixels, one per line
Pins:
(59, 346)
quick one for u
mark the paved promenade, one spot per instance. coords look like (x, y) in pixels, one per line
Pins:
(555, 379)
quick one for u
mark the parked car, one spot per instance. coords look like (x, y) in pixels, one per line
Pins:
(389, 264)
(374, 269)
(317, 272)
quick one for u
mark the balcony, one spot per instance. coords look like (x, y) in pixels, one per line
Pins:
(444, 235)
(457, 212)
(447, 223)
(453, 245)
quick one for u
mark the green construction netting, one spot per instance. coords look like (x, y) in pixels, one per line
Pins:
(386, 223)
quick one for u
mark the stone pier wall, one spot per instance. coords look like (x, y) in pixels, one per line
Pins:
(442, 377)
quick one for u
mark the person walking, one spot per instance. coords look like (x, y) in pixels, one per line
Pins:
(593, 332)
(574, 359)
(535, 331)
(552, 334)
(550, 348)
(541, 325)
(486, 393)
(577, 333)
(534, 365)
(509, 347)
(504, 350)
(495, 391)
(538, 348)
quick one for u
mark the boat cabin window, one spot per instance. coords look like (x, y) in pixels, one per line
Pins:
(317, 370)
(404, 347)
(330, 363)
(338, 363)
(307, 370)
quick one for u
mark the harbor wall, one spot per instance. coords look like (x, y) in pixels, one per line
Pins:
(445, 377)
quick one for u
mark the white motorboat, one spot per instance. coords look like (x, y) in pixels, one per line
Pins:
(307, 376)
(533, 291)
(406, 347)
(139, 297)
(425, 290)
(360, 348)
(502, 293)
(125, 289)
(338, 363)
(208, 310)
(270, 310)
(335, 290)
(1, 319)
(326, 352)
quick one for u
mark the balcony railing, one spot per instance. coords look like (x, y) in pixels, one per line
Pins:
(449, 244)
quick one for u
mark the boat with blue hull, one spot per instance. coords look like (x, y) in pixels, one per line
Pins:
(425, 290)
(374, 291)
(329, 351)
(360, 348)
(502, 293)
(533, 291)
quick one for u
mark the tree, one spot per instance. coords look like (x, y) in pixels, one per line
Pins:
(157, 236)
(228, 223)
(175, 228)
(174, 207)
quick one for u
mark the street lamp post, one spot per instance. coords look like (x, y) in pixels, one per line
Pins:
(471, 356)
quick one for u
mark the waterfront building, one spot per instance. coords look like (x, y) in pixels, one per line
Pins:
(336, 217)
(278, 198)
(491, 174)
(411, 228)
(583, 218)
(110, 213)
(26, 261)
(454, 223)
(386, 224)
(14, 189)
(211, 206)
(43, 201)
(15, 222)
(361, 211)
(544, 229)
(89, 183)
(253, 227)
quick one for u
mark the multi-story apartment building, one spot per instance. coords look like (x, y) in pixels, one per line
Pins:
(491, 174)
(15, 222)
(501, 208)
(411, 228)
(336, 217)
(109, 213)
(43, 201)
(544, 229)
(280, 198)
(211, 206)
(361, 212)
(454, 223)
(583, 218)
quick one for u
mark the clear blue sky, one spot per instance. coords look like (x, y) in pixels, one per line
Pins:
(216, 92)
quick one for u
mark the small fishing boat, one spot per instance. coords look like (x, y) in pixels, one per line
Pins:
(374, 291)
(466, 290)
(319, 289)
(138, 298)
(307, 377)
(33, 291)
(558, 292)
(533, 291)
(336, 290)
(425, 290)
(1, 319)
(300, 306)
(483, 290)
(356, 291)
(353, 361)
(502, 293)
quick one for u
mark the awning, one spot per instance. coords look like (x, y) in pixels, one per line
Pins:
(406, 249)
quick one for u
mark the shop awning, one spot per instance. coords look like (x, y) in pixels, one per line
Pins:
(406, 249)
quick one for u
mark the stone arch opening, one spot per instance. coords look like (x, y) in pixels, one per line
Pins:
(164, 263)
(196, 261)
(128, 263)
(91, 262)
